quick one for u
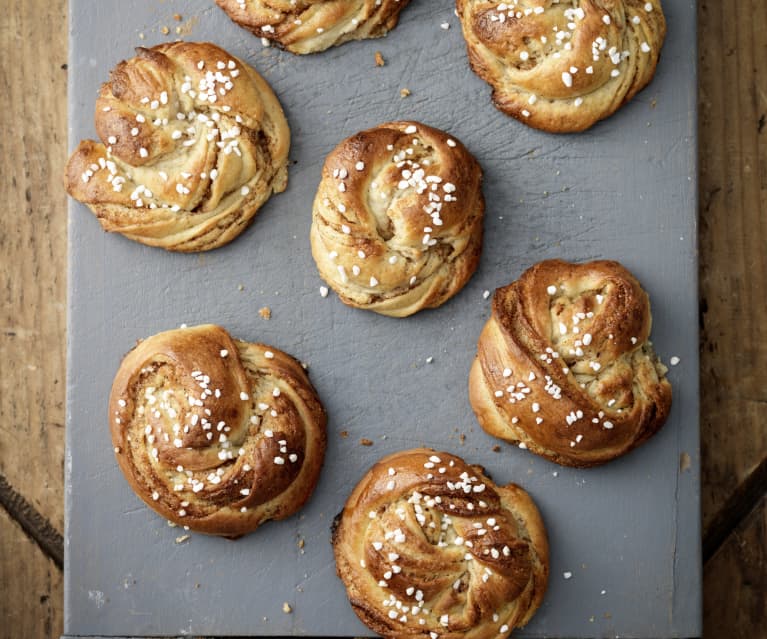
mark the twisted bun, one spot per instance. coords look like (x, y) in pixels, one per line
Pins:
(193, 142)
(214, 433)
(427, 546)
(309, 26)
(564, 365)
(397, 220)
(563, 66)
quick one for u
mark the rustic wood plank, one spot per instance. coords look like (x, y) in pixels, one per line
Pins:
(32, 312)
(33, 589)
(733, 235)
(33, 246)
(736, 582)
(733, 188)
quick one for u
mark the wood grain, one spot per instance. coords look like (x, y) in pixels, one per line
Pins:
(735, 596)
(733, 278)
(733, 236)
(32, 305)
(32, 587)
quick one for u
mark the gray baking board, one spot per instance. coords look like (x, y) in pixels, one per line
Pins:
(624, 190)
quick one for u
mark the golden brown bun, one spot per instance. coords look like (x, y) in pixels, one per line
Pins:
(214, 433)
(563, 66)
(397, 220)
(428, 546)
(564, 366)
(309, 26)
(193, 142)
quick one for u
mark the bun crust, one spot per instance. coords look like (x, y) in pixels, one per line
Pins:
(192, 142)
(565, 367)
(215, 433)
(397, 220)
(309, 26)
(562, 67)
(428, 545)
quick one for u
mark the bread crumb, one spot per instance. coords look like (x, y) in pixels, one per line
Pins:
(286, 608)
(141, 36)
(265, 312)
(496, 449)
(366, 442)
(165, 31)
(177, 17)
(301, 543)
(462, 438)
(344, 433)
(684, 462)
(379, 59)
(240, 287)
(182, 539)
(404, 92)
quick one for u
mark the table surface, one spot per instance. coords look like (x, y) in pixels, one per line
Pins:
(624, 189)
(733, 195)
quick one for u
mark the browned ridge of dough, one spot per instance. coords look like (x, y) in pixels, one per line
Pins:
(214, 433)
(563, 66)
(398, 218)
(192, 143)
(429, 544)
(565, 367)
(310, 26)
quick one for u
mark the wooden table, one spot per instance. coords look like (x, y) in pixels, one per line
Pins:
(733, 276)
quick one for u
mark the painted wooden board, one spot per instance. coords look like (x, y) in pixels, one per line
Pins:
(625, 190)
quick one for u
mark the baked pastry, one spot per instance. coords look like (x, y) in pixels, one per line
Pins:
(397, 220)
(564, 365)
(563, 66)
(214, 433)
(193, 142)
(428, 546)
(309, 26)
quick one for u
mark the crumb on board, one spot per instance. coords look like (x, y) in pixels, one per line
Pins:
(265, 312)
(684, 462)
(141, 36)
(286, 608)
(177, 17)
(344, 434)
(301, 543)
(165, 30)
(366, 442)
(496, 449)
(240, 287)
(461, 438)
(404, 92)
(379, 59)
(182, 539)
